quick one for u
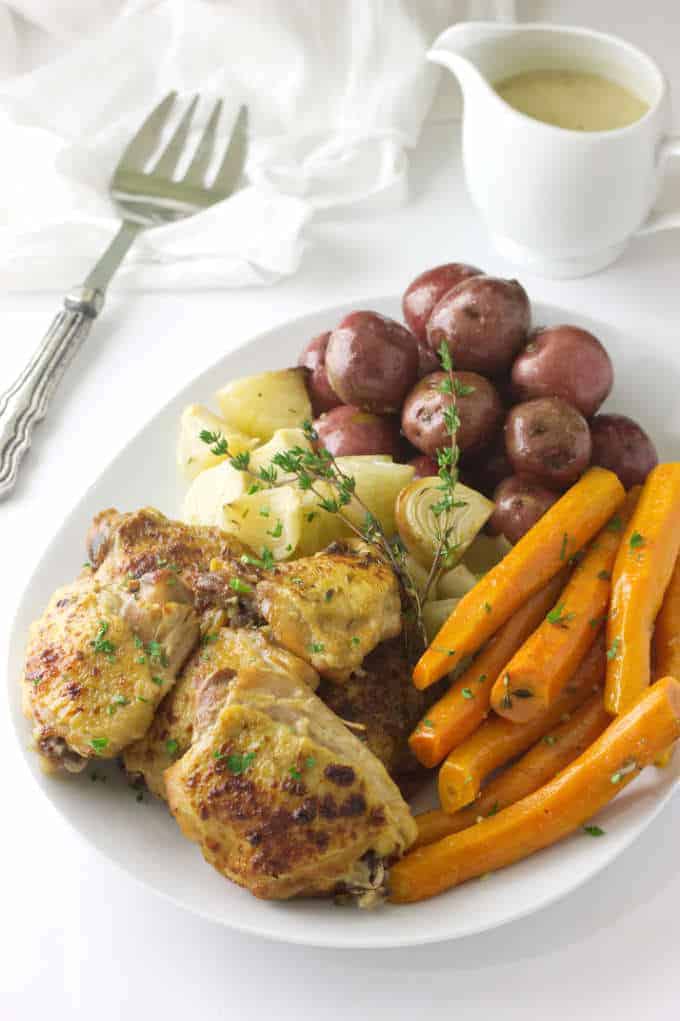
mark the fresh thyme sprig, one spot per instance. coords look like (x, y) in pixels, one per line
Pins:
(447, 462)
(317, 471)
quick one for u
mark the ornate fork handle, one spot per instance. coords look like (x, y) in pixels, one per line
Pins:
(24, 404)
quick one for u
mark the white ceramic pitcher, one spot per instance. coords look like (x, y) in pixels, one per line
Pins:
(561, 203)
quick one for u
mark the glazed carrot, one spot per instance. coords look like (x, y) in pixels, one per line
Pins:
(498, 740)
(642, 571)
(538, 671)
(541, 763)
(629, 743)
(666, 641)
(562, 531)
(455, 716)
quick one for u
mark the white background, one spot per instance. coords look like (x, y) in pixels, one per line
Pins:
(80, 939)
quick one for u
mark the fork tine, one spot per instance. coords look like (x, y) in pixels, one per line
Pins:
(197, 168)
(169, 158)
(234, 159)
(143, 144)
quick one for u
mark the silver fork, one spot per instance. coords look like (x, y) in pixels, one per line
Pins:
(146, 199)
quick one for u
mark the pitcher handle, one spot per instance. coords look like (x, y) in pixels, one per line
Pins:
(670, 146)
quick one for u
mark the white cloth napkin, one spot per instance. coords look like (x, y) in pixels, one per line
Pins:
(337, 91)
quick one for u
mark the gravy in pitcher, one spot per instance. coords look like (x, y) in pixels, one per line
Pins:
(572, 99)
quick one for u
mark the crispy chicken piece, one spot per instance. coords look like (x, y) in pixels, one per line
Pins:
(126, 547)
(381, 701)
(99, 661)
(331, 609)
(205, 675)
(283, 799)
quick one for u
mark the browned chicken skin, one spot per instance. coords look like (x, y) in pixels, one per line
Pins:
(283, 799)
(331, 609)
(228, 650)
(280, 794)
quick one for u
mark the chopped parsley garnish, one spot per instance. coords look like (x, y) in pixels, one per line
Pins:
(102, 644)
(487, 607)
(467, 693)
(310, 762)
(565, 543)
(444, 652)
(615, 524)
(558, 617)
(139, 644)
(295, 773)
(429, 724)
(277, 531)
(140, 698)
(482, 678)
(157, 680)
(316, 647)
(493, 810)
(157, 653)
(171, 746)
(605, 576)
(212, 636)
(240, 586)
(613, 650)
(550, 739)
(216, 441)
(264, 512)
(355, 640)
(87, 564)
(99, 743)
(593, 831)
(636, 540)
(237, 763)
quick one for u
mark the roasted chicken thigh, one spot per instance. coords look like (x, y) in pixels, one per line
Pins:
(282, 798)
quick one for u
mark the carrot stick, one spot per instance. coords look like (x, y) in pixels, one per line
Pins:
(538, 556)
(628, 744)
(642, 572)
(498, 740)
(666, 641)
(538, 671)
(455, 716)
(546, 758)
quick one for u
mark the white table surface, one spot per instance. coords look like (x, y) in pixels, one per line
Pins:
(81, 939)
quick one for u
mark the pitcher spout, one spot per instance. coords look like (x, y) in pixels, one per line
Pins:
(457, 49)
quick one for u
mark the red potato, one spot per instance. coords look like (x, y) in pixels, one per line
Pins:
(348, 430)
(424, 466)
(479, 408)
(519, 503)
(483, 321)
(423, 293)
(566, 362)
(313, 358)
(428, 361)
(549, 441)
(623, 446)
(485, 469)
(372, 362)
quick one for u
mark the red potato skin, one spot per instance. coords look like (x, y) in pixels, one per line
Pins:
(484, 321)
(486, 469)
(549, 441)
(480, 412)
(623, 446)
(313, 358)
(519, 503)
(424, 466)
(567, 362)
(348, 430)
(427, 360)
(372, 362)
(423, 293)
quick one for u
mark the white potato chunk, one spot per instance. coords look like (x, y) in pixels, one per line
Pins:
(485, 552)
(194, 455)
(210, 491)
(435, 613)
(378, 483)
(259, 405)
(271, 518)
(455, 583)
